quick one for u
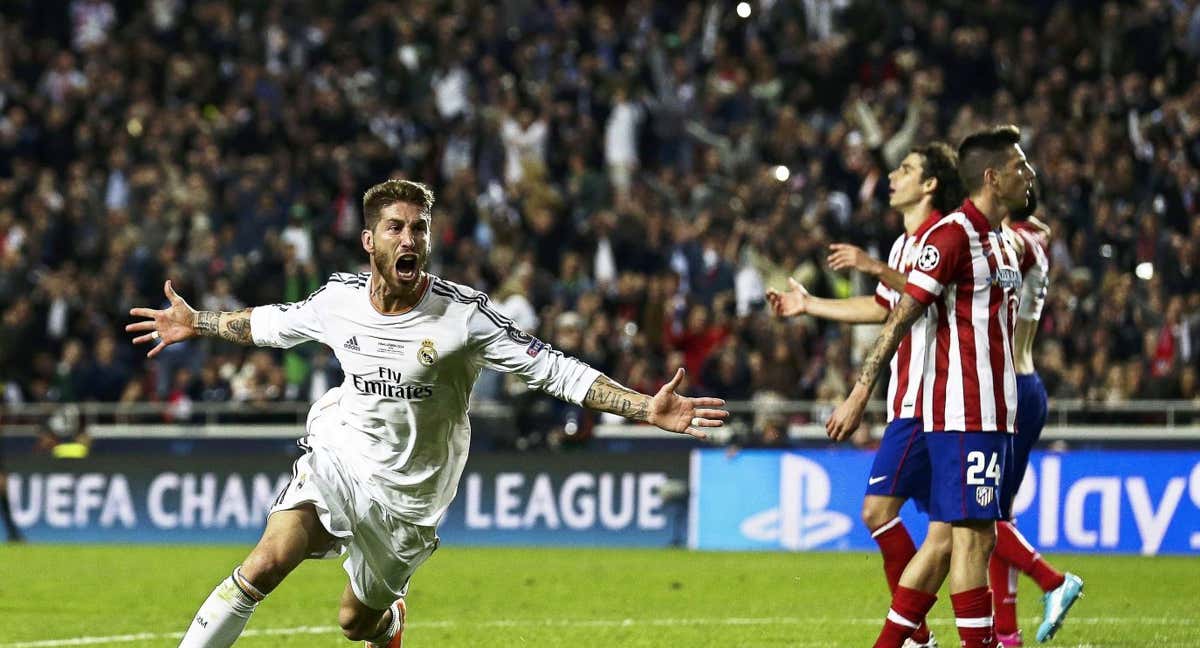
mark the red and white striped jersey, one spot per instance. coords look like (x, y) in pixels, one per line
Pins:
(1035, 270)
(904, 387)
(968, 274)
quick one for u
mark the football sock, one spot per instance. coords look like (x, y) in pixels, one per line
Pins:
(1016, 551)
(973, 616)
(1003, 579)
(909, 607)
(224, 614)
(389, 630)
(897, 548)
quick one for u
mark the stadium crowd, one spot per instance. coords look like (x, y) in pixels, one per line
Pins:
(625, 179)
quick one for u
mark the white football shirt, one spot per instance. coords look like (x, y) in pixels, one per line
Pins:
(408, 381)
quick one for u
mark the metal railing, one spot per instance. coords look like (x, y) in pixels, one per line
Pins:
(1069, 419)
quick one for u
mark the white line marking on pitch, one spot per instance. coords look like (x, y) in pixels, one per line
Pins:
(559, 623)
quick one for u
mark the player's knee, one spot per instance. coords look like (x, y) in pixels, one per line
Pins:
(875, 516)
(265, 569)
(357, 626)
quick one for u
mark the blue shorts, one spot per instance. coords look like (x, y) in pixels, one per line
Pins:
(901, 467)
(1031, 418)
(968, 474)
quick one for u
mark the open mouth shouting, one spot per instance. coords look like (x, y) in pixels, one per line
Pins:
(407, 267)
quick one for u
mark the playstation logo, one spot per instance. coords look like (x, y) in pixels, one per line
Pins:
(801, 520)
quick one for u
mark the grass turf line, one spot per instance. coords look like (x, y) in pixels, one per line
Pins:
(554, 597)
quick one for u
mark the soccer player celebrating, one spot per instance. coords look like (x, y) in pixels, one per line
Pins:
(967, 274)
(922, 188)
(385, 450)
(1030, 239)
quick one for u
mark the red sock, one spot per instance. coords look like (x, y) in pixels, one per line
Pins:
(909, 607)
(1016, 551)
(973, 615)
(897, 548)
(1003, 579)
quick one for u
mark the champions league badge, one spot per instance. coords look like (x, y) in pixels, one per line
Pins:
(929, 258)
(427, 354)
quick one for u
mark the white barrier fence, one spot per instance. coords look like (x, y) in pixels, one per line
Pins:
(1070, 420)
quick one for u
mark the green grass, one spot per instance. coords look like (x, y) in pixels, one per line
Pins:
(563, 597)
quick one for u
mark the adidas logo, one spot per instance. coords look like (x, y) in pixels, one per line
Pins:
(352, 344)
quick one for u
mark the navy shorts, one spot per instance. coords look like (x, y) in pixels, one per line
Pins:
(967, 474)
(901, 467)
(1031, 418)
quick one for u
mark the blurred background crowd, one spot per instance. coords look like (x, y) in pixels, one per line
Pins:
(624, 178)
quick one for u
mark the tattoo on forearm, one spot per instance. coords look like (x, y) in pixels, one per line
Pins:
(207, 322)
(897, 326)
(232, 326)
(237, 326)
(605, 395)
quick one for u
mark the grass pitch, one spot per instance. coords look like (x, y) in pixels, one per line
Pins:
(132, 596)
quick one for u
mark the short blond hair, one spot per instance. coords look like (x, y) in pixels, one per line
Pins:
(390, 192)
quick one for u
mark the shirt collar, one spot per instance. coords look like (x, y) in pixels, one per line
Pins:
(934, 217)
(975, 216)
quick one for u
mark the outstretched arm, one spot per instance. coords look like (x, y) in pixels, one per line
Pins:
(848, 415)
(180, 322)
(797, 301)
(666, 409)
(227, 325)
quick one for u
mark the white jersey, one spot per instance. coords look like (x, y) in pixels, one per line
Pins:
(1035, 269)
(408, 381)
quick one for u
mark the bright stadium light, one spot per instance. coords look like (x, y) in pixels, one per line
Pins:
(782, 173)
(1144, 271)
(743, 10)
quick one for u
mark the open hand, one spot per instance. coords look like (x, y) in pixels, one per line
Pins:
(848, 416)
(843, 256)
(791, 303)
(164, 327)
(675, 413)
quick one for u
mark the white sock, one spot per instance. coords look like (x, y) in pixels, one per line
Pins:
(390, 631)
(223, 615)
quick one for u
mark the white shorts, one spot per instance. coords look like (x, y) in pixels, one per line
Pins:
(382, 550)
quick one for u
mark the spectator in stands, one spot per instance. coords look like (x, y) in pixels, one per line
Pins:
(632, 156)
(107, 375)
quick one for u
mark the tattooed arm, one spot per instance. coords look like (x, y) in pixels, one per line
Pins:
(897, 326)
(232, 325)
(181, 322)
(666, 409)
(848, 415)
(607, 395)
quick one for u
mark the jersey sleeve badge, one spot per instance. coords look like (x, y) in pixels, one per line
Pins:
(929, 258)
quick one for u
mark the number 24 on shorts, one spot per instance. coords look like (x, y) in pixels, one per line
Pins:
(986, 463)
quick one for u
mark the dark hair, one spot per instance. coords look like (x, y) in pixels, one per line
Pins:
(390, 192)
(983, 150)
(940, 162)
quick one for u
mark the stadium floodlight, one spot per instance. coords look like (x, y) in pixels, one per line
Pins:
(1144, 271)
(743, 10)
(782, 173)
